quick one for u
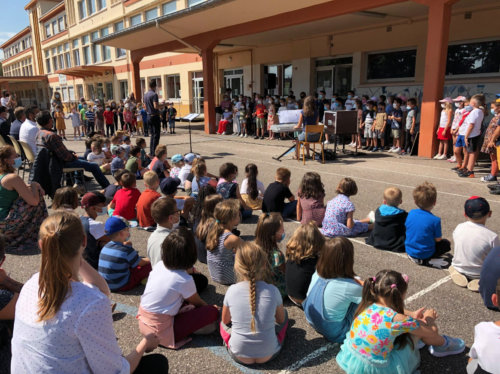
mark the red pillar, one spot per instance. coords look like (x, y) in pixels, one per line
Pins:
(136, 74)
(207, 56)
(435, 66)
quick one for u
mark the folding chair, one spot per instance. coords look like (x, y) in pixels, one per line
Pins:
(30, 157)
(19, 151)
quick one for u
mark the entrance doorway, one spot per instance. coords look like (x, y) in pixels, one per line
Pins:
(233, 79)
(198, 93)
(334, 76)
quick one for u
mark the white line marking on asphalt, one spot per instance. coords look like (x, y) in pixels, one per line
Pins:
(298, 364)
(428, 289)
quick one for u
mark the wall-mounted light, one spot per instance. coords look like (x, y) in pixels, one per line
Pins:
(230, 58)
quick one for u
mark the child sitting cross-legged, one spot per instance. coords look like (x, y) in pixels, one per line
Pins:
(424, 240)
(178, 162)
(334, 292)
(484, 352)
(200, 178)
(118, 160)
(111, 190)
(255, 310)
(125, 200)
(252, 190)
(146, 200)
(227, 187)
(134, 163)
(205, 224)
(389, 230)
(311, 199)
(270, 231)
(221, 243)
(277, 192)
(119, 263)
(170, 306)
(302, 253)
(384, 335)
(339, 216)
(94, 204)
(65, 198)
(185, 204)
(473, 242)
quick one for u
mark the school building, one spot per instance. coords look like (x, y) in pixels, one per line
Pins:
(195, 49)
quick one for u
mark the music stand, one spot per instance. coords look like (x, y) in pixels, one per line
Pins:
(190, 117)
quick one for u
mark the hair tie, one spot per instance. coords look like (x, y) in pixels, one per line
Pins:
(374, 279)
(393, 285)
(406, 278)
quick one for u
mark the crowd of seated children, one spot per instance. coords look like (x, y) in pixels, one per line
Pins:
(134, 163)
(145, 158)
(146, 200)
(118, 160)
(158, 163)
(269, 232)
(188, 185)
(221, 243)
(125, 200)
(311, 199)
(277, 192)
(424, 239)
(227, 187)
(334, 292)
(185, 204)
(110, 191)
(119, 263)
(98, 157)
(186, 169)
(473, 242)
(201, 178)
(197, 211)
(205, 224)
(126, 146)
(253, 321)
(339, 216)
(302, 253)
(94, 204)
(252, 190)
(389, 230)
(162, 310)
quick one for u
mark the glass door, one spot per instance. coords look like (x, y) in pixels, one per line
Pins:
(343, 80)
(324, 80)
(235, 83)
(198, 95)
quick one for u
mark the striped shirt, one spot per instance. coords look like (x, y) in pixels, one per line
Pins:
(90, 116)
(115, 262)
(221, 262)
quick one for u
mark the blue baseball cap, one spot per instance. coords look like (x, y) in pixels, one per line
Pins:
(115, 224)
(176, 158)
(498, 96)
(169, 185)
(190, 157)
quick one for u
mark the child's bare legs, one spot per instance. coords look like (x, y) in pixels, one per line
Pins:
(359, 141)
(382, 140)
(472, 160)
(440, 149)
(244, 128)
(458, 155)
(445, 147)
(466, 158)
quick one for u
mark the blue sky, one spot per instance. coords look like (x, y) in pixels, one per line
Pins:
(13, 18)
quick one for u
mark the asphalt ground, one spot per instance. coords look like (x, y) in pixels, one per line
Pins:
(305, 350)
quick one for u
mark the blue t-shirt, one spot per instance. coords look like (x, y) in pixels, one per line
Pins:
(116, 165)
(490, 273)
(115, 262)
(398, 113)
(388, 109)
(422, 227)
(144, 115)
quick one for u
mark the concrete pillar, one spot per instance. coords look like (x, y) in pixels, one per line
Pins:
(435, 66)
(207, 57)
(135, 73)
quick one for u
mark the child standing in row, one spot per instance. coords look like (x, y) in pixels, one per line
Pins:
(460, 142)
(90, 115)
(457, 118)
(443, 131)
(396, 119)
(368, 119)
(75, 122)
(380, 124)
(60, 124)
(411, 119)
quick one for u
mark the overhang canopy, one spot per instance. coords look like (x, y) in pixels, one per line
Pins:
(86, 71)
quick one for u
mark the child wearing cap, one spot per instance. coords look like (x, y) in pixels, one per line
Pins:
(178, 162)
(473, 241)
(94, 204)
(424, 238)
(125, 200)
(146, 200)
(119, 263)
(185, 204)
(443, 132)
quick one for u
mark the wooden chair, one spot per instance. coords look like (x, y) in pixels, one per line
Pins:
(30, 157)
(309, 130)
(19, 150)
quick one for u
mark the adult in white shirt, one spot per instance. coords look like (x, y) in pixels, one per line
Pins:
(69, 329)
(473, 124)
(29, 129)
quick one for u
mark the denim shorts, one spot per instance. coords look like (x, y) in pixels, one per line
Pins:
(311, 137)
(460, 141)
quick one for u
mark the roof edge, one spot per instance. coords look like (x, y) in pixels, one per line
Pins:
(53, 11)
(20, 34)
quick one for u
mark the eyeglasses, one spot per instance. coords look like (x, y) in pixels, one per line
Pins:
(177, 211)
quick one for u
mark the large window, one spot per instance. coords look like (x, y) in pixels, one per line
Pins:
(91, 7)
(473, 58)
(151, 14)
(106, 51)
(91, 91)
(169, 7)
(174, 86)
(79, 91)
(96, 50)
(55, 28)
(48, 31)
(109, 91)
(392, 65)
(64, 93)
(82, 10)
(135, 20)
(123, 89)
(194, 2)
(71, 92)
(61, 24)
(76, 53)
(119, 52)
(101, 4)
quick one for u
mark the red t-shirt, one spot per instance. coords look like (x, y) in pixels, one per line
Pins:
(259, 110)
(148, 197)
(110, 117)
(125, 201)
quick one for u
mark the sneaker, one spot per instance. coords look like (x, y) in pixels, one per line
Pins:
(493, 186)
(256, 137)
(459, 279)
(369, 148)
(261, 138)
(371, 215)
(79, 138)
(403, 153)
(397, 150)
(442, 157)
(80, 189)
(392, 150)
(65, 138)
(436, 157)
(473, 285)
(467, 174)
(365, 148)
(224, 133)
(456, 168)
(246, 135)
(495, 192)
(453, 159)
(452, 346)
(489, 178)
(241, 136)
(375, 149)
(326, 142)
(420, 345)
(461, 171)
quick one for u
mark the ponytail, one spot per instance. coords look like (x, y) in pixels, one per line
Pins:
(252, 190)
(225, 212)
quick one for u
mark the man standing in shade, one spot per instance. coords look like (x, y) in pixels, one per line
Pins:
(154, 120)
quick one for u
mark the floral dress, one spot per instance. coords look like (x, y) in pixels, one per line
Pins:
(276, 259)
(271, 117)
(174, 172)
(335, 221)
(369, 346)
(489, 133)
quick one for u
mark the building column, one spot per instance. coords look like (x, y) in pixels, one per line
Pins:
(438, 31)
(207, 57)
(136, 74)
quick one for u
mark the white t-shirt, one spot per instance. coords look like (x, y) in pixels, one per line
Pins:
(166, 290)
(183, 174)
(349, 104)
(154, 244)
(486, 346)
(96, 159)
(457, 118)
(444, 119)
(80, 338)
(260, 187)
(476, 118)
(96, 228)
(4, 101)
(473, 242)
(28, 133)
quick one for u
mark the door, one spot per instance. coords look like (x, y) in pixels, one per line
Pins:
(235, 83)
(100, 91)
(343, 80)
(198, 95)
(324, 80)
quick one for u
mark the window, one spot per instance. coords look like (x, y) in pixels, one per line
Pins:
(47, 64)
(75, 43)
(106, 51)
(173, 86)
(391, 65)
(54, 62)
(55, 28)
(119, 52)
(194, 2)
(85, 40)
(91, 6)
(66, 46)
(79, 91)
(82, 10)
(64, 93)
(123, 89)
(169, 7)
(101, 4)
(151, 14)
(48, 32)
(159, 89)
(61, 61)
(90, 91)
(67, 60)
(71, 92)
(76, 57)
(59, 49)
(96, 50)
(135, 20)
(473, 58)
(86, 55)
(60, 23)
(333, 61)
(109, 91)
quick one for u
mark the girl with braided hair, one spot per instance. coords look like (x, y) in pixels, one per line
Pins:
(254, 309)
(384, 335)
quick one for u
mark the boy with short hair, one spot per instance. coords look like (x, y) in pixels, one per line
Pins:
(125, 200)
(277, 192)
(368, 119)
(411, 119)
(94, 204)
(148, 197)
(158, 166)
(90, 115)
(484, 352)
(424, 238)
(118, 161)
(350, 103)
(126, 146)
(389, 230)
(171, 113)
(111, 190)
(119, 263)
(396, 119)
(379, 127)
(185, 204)
(473, 241)
(115, 143)
(134, 164)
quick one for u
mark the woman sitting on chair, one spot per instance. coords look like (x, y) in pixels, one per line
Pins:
(308, 116)
(22, 207)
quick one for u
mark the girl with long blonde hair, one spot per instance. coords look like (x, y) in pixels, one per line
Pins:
(255, 309)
